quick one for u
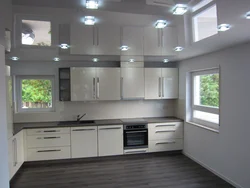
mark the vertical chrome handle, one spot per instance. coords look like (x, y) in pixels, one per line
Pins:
(94, 89)
(163, 86)
(162, 37)
(121, 87)
(97, 34)
(93, 36)
(158, 33)
(98, 88)
(159, 86)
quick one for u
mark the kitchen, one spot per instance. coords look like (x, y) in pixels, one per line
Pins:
(120, 87)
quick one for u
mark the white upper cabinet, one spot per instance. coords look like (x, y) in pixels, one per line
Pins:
(133, 38)
(170, 83)
(160, 42)
(153, 83)
(161, 83)
(169, 41)
(83, 82)
(9, 103)
(108, 84)
(108, 40)
(152, 43)
(82, 39)
(132, 80)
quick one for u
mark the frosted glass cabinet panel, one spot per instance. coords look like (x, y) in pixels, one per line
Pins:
(83, 84)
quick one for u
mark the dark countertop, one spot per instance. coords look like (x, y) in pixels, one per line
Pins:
(36, 125)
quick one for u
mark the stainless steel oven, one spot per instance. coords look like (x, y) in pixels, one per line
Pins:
(136, 137)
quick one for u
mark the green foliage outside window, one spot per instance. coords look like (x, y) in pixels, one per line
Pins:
(37, 91)
(209, 90)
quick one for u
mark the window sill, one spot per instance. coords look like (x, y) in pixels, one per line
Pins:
(203, 127)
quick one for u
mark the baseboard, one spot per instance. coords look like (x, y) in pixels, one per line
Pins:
(212, 170)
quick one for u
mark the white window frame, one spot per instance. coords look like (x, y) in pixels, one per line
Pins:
(202, 108)
(197, 12)
(18, 93)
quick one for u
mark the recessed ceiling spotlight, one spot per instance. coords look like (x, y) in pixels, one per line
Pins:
(248, 16)
(180, 9)
(64, 46)
(89, 20)
(161, 24)
(132, 60)
(14, 58)
(56, 59)
(178, 49)
(165, 60)
(95, 60)
(92, 4)
(124, 48)
(224, 27)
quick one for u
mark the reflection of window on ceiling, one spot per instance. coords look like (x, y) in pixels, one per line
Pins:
(204, 18)
(37, 33)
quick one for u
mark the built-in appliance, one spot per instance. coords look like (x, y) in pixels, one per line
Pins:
(135, 136)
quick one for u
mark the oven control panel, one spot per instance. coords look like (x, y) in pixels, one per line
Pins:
(132, 127)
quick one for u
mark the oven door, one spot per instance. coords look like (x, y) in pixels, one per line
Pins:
(136, 139)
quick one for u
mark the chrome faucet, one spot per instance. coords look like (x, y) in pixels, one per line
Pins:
(79, 117)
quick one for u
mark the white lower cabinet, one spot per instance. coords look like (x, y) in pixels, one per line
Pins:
(165, 145)
(110, 140)
(165, 136)
(48, 144)
(16, 153)
(84, 142)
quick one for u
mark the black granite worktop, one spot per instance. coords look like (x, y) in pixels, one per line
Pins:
(35, 125)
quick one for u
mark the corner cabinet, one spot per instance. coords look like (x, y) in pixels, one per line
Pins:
(161, 83)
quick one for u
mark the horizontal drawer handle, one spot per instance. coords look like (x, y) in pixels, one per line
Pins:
(160, 143)
(45, 151)
(54, 137)
(51, 131)
(168, 125)
(169, 131)
(136, 132)
(113, 128)
(84, 130)
(140, 151)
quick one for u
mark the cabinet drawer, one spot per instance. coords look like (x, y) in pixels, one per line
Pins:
(39, 154)
(165, 131)
(166, 145)
(51, 140)
(48, 131)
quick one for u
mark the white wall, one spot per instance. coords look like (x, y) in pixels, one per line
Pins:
(4, 170)
(5, 18)
(94, 110)
(226, 153)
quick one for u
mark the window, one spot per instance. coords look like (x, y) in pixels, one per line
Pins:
(205, 97)
(205, 21)
(36, 33)
(35, 93)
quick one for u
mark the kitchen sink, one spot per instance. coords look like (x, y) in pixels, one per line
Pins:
(76, 122)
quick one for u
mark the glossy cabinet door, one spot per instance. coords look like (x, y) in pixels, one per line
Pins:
(11, 154)
(110, 140)
(170, 83)
(132, 83)
(108, 85)
(108, 40)
(153, 83)
(9, 106)
(83, 84)
(169, 41)
(133, 38)
(84, 142)
(152, 41)
(82, 39)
